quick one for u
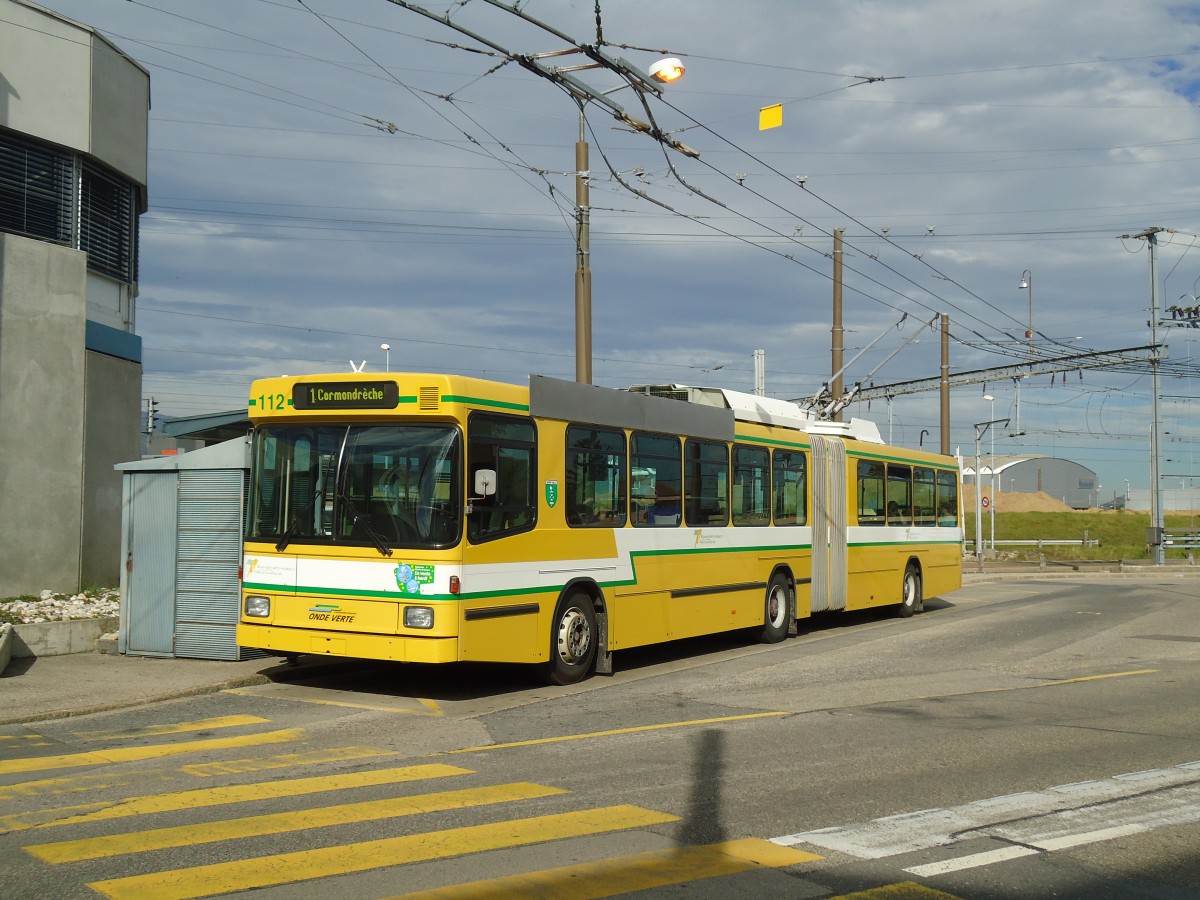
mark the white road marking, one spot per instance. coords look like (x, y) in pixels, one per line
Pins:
(1057, 818)
(1090, 837)
(970, 862)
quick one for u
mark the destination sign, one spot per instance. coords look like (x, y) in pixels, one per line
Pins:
(345, 395)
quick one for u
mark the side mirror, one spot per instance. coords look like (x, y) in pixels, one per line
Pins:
(485, 483)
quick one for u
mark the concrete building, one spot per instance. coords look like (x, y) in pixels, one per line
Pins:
(74, 114)
(1073, 484)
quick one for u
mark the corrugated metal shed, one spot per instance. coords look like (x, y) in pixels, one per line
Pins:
(182, 546)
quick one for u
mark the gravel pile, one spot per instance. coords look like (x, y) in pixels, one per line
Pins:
(52, 607)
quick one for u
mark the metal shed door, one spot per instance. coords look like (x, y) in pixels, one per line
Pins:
(150, 606)
(209, 552)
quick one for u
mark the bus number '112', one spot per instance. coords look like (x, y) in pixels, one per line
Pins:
(271, 402)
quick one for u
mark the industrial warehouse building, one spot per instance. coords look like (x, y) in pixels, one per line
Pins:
(74, 113)
(1062, 479)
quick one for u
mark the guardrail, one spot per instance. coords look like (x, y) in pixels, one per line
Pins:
(1181, 540)
(1037, 543)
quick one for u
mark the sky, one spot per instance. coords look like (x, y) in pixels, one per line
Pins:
(327, 176)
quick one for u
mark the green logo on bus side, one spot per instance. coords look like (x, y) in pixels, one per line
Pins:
(551, 493)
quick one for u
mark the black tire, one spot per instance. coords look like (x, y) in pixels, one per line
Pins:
(573, 639)
(778, 609)
(911, 600)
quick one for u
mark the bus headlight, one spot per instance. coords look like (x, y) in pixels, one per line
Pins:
(257, 606)
(418, 617)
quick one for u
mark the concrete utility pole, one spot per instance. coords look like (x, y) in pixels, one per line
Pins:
(643, 83)
(945, 385)
(838, 333)
(1155, 534)
(583, 265)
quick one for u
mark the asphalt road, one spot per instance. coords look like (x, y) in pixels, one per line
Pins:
(1016, 740)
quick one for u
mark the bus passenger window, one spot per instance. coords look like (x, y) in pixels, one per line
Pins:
(751, 486)
(899, 495)
(595, 477)
(789, 482)
(924, 509)
(947, 498)
(872, 502)
(656, 476)
(707, 486)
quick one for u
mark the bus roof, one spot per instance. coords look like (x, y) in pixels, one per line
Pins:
(764, 410)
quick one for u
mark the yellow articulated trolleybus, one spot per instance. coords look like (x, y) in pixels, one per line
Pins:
(437, 518)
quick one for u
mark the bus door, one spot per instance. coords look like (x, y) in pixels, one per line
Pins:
(828, 523)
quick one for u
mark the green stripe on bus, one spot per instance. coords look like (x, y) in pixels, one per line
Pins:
(900, 544)
(906, 460)
(484, 401)
(770, 442)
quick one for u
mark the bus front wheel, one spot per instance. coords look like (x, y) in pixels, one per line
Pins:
(572, 639)
(777, 609)
(911, 600)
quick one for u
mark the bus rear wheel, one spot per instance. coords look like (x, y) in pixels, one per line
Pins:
(572, 639)
(911, 600)
(777, 609)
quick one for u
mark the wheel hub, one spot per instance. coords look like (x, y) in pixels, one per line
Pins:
(574, 637)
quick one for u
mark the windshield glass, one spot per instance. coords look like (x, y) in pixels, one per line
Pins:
(377, 485)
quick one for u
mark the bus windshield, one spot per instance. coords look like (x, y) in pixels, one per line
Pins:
(378, 485)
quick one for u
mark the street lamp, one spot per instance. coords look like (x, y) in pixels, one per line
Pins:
(387, 356)
(664, 71)
(1027, 285)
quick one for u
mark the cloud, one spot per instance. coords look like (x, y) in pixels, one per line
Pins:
(290, 226)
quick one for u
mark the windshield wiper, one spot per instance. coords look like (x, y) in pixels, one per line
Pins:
(288, 533)
(357, 519)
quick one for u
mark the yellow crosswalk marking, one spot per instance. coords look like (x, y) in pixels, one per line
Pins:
(130, 754)
(36, 817)
(173, 728)
(75, 784)
(30, 740)
(283, 761)
(280, 823)
(270, 790)
(625, 874)
(287, 868)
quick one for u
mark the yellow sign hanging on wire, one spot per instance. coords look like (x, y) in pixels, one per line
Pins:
(770, 117)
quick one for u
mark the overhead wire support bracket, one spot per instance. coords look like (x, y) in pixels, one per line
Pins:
(635, 78)
(1101, 359)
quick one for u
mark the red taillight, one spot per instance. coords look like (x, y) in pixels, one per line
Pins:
(455, 586)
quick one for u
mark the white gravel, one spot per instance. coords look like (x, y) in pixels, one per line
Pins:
(52, 607)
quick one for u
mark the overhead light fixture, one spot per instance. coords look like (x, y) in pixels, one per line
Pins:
(667, 70)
